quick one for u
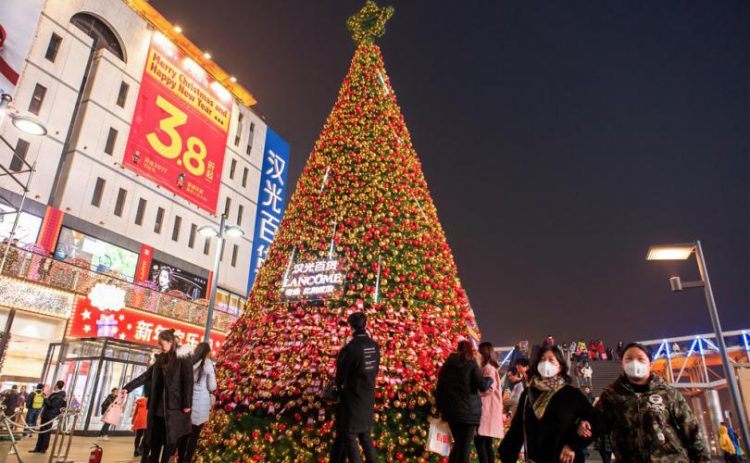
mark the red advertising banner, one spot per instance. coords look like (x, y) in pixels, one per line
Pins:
(50, 229)
(88, 321)
(143, 269)
(179, 130)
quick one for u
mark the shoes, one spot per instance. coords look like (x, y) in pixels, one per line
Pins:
(137, 453)
(105, 437)
(35, 451)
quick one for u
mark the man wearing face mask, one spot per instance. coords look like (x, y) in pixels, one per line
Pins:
(648, 420)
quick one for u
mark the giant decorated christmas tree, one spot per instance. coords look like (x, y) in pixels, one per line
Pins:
(360, 232)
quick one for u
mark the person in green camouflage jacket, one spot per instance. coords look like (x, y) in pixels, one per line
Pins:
(648, 420)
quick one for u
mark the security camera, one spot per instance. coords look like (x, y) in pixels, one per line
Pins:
(675, 283)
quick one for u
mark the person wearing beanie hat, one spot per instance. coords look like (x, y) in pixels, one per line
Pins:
(646, 418)
(357, 366)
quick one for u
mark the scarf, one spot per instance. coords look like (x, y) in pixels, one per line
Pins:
(548, 388)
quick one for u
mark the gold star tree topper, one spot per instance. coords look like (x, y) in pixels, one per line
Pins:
(369, 22)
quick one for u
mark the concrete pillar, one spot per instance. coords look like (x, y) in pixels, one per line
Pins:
(714, 409)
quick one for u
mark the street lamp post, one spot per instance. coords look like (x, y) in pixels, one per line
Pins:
(683, 252)
(209, 232)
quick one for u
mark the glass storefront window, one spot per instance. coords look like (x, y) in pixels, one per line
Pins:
(102, 257)
(27, 229)
(30, 335)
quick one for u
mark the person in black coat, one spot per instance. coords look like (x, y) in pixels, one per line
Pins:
(549, 412)
(357, 367)
(170, 398)
(52, 408)
(459, 383)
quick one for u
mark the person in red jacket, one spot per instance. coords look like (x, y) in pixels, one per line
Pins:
(140, 412)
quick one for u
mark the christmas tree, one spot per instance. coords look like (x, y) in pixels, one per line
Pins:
(360, 233)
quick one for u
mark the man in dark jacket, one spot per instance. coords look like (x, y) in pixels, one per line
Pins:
(104, 433)
(356, 369)
(53, 406)
(10, 401)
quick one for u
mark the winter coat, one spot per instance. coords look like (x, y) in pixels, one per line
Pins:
(656, 426)
(725, 442)
(140, 413)
(357, 367)
(172, 389)
(10, 401)
(558, 427)
(202, 389)
(53, 405)
(491, 423)
(107, 402)
(459, 384)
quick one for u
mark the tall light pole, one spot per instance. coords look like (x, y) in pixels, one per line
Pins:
(683, 252)
(210, 232)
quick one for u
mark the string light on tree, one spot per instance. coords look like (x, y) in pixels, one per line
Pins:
(362, 202)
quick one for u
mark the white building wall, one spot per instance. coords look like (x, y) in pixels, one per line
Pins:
(99, 112)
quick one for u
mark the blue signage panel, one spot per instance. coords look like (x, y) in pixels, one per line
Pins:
(270, 200)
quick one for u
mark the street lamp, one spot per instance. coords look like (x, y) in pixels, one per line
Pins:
(208, 231)
(26, 123)
(683, 252)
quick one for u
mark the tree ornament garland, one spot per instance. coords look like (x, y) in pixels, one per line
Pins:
(363, 201)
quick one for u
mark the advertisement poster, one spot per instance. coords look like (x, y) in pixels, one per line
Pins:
(270, 200)
(168, 278)
(102, 256)
(179, 130)
(27, 228)
(88, 321)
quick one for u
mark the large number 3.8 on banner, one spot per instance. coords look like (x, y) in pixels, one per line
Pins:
(179, 130)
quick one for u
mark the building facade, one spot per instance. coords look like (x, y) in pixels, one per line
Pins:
(148, 140)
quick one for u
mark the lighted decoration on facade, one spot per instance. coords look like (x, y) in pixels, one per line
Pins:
(107, 297)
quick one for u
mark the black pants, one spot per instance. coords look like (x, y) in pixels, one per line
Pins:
(730, 458)
(158, 445)
(463, 434)
(187, 445)
(345, 447)
(42, 442)
(484, 449)
(105, 430)
(139, 439)
(606, 456)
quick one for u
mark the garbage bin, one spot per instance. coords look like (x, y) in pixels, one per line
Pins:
(6, 444)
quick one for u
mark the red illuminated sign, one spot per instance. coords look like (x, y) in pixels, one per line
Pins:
(179, 130)
(88, 321)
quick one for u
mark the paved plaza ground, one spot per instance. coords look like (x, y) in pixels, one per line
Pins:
(116, 450)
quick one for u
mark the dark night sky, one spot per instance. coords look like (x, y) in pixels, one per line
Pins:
(559, 140)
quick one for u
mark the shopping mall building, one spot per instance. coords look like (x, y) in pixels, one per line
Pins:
(147, 140)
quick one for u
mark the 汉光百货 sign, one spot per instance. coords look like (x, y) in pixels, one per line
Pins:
(270, 200)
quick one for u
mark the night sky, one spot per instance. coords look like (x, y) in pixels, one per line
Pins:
(559, 140)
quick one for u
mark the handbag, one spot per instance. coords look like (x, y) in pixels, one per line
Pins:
(439, 438)
(330, 394)
(113, 414)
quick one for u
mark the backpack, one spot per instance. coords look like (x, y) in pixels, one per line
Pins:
(38, 401)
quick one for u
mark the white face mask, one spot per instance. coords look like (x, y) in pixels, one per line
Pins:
(548, 369)
(636, 369)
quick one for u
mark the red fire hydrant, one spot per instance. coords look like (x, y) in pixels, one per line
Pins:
(96, 454)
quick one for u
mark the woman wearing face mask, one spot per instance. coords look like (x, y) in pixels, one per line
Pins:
(170, 398)
(548, 415)
(647, 419)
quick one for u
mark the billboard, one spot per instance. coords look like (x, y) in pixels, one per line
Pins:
(270, 200)
(169, 278)
(126, 324)
(179, 130)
